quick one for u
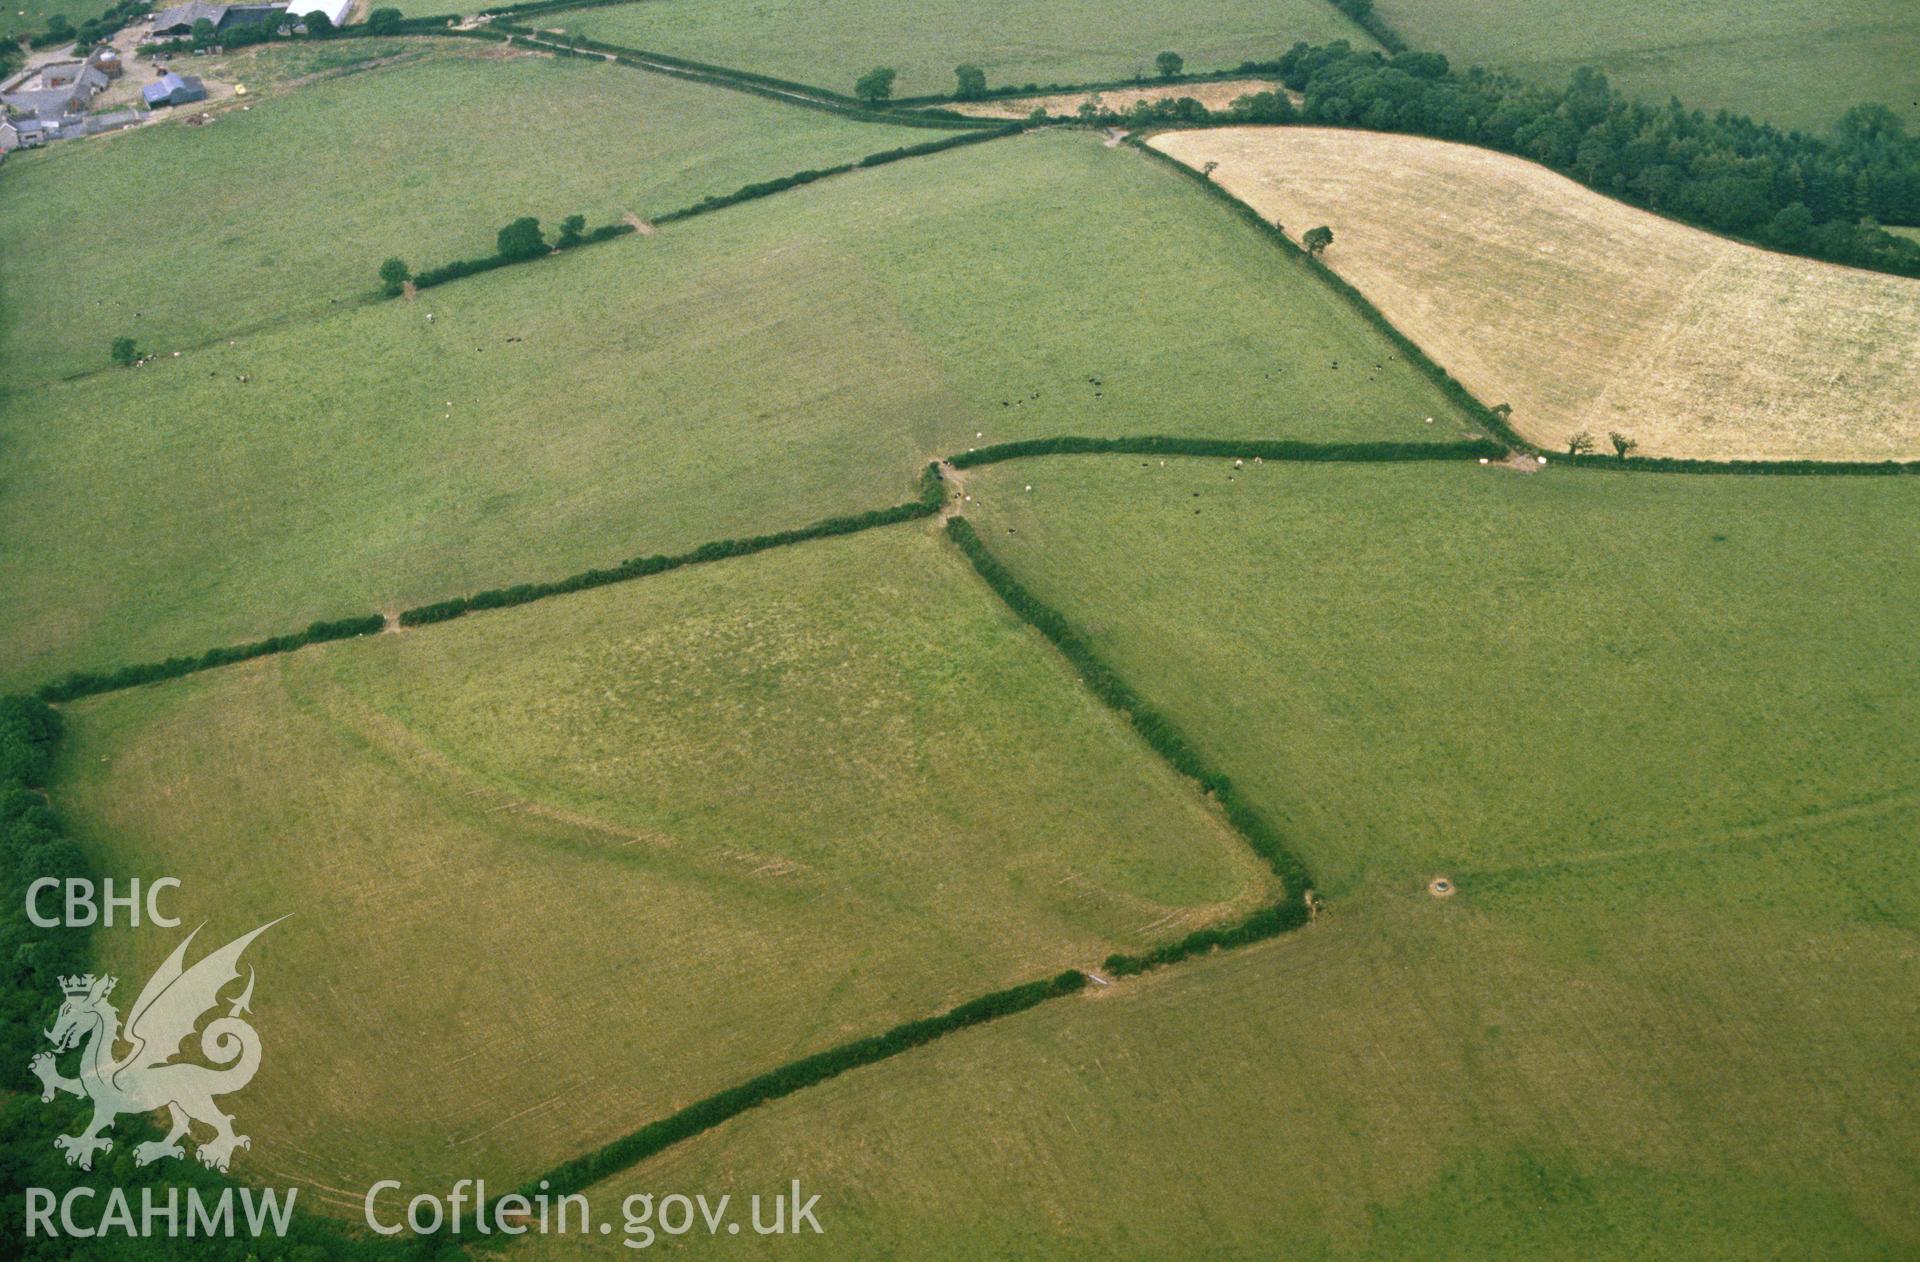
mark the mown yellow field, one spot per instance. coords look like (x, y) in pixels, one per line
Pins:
(1587, 314)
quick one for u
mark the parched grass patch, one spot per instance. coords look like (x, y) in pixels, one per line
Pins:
(787, 359)
(557, 871)
(832, 43)
(1788, 62)
(286, 208)
(1585, 313)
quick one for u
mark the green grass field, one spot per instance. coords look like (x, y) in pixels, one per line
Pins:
(1795, 63)
(1426, 668)
(30, 17)
(1659, 730)
(310, 190)
(762, 367)
(559, 870)
(833, 43)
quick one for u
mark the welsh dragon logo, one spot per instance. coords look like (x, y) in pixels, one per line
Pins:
(147, 1078)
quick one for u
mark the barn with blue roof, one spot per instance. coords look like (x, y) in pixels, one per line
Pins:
(174, 89)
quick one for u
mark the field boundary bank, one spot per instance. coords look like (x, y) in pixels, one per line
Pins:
(1489, 417)
(89, 683)
(460, 269)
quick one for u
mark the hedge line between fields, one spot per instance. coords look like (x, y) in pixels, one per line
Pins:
(1011, 91)
(1160, 733)
(1790, 468)
(928, 503)
(1449, 385)
(461, 268)
(582, 1172)
(1265, 449)
(92, 683)
(787, 91)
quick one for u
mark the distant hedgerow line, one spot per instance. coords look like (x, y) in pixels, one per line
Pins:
(462, 268)
(1263, 448)
(91, 683)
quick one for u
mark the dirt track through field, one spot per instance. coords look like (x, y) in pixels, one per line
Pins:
(1585, 313)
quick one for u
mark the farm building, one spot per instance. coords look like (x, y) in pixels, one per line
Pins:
(178, 22)
(68, 87)
(25, 133)
(174, 89)
(335, 10)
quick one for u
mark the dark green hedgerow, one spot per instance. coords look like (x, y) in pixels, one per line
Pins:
(583, 1172)
(1493, 421)
(1266, 449)
(928, 503)
(1790, 468)
(91, 683)
(461, 268)
(1155, 728)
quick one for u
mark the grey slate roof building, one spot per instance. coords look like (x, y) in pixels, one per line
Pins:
(179, 20)
(174, 89)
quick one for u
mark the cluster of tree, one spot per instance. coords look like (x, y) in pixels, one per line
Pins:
(1582, 444)
(1154, 727)
(876, 85)
(1823, 196)
(519, 242)
(925, 505)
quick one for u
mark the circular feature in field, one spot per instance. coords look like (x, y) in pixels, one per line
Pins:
(1440, 887)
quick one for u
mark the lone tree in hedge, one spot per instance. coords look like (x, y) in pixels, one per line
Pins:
(394, 276)
(1168, 64)
(876, 84)
(572, 228)
(1579, 444)
(1317, 239)
(203, 32)
(973, 83)
(521, 239)
(1206, 172)
(384, 21)
(318, 24)
(1621, 443)
(124, 352)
